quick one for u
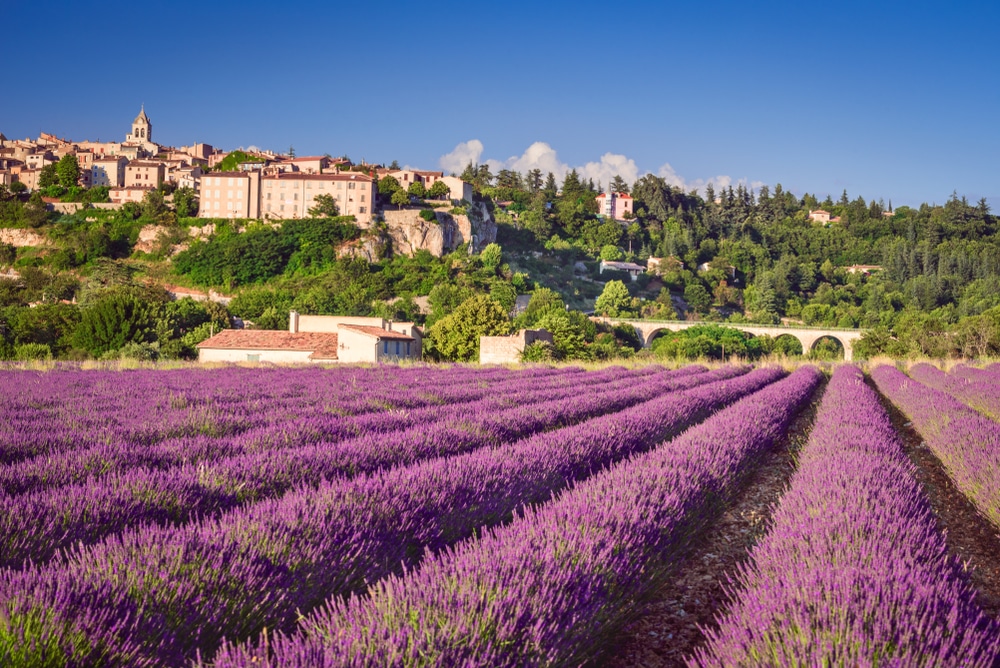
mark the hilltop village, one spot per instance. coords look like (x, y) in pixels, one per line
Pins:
(134, 248)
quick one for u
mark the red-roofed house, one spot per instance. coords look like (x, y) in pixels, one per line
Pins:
(615, 205)
(317, 338)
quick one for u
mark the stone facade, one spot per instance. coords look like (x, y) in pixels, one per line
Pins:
(508, 349)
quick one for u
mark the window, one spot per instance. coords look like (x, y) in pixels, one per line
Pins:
(385, 347)
(362, 210)
(295, 197)
(362, 198)
(407, 348)
(268, 195)
(397, 348)
(231, 181)
(350, 186)
(268, 206)
(253, 358)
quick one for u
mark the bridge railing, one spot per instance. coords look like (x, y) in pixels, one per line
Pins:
(735, 325)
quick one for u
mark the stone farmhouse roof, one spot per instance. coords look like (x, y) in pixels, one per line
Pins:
(378, 332)
(322, 344)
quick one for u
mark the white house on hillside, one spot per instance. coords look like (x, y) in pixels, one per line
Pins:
(317, 339)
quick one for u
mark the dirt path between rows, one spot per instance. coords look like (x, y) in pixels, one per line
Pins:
(669, 631)
(970, 536)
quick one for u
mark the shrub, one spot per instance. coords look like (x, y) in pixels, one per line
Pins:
(27, 352)
(428, 215)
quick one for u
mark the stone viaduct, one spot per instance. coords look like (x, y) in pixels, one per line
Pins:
(807, 336)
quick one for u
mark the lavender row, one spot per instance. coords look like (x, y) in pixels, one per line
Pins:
(967, 443)
(982, 396)
(60, 411)
(853, 571)
(975, 375)
(35, 526)
(552, 586)
(161, 595)
(84, 464)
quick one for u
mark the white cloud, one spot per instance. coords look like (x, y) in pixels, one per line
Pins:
(462, 155)
(541, 155)
(670, 175)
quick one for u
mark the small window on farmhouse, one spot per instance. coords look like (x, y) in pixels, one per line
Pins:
(407, 348)
(397, 348)
(385, 347)
(253, 358)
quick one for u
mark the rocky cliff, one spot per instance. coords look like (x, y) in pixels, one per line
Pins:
(410, 233)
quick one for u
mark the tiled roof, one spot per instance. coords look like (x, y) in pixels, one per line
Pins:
(323, 344)
(379, 332)
(296, 176)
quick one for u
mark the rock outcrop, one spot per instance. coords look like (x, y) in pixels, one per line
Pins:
(22, 238)
(410, 233)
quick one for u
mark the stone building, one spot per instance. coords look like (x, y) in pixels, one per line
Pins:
(292, 194)
(317, 339)
(229, 195)
(508, 349)
(144, 173)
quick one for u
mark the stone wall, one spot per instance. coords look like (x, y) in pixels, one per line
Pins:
(508, 349)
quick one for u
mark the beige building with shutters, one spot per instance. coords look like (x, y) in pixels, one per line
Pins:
(292, 194)
(144, 174)
(229, 195)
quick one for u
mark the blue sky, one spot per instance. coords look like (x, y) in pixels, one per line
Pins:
(890, 100)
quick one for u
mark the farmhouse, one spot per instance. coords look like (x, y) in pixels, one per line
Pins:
(317, 339)
(632, 269)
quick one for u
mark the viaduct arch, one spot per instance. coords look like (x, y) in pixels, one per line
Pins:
(807, 336)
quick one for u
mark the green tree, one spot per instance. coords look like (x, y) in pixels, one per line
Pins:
(400, 198)
(154, 208)
(456, 336)
(618, 185)
(324, 206)
(417, 190)
(611, 253)
(615, 301)
(439, 190)
(68, 170)
(491, 256)
(112, 321)
(568, 339)
(185, 202)
(48, 176)
(387, 185)
(698, 297)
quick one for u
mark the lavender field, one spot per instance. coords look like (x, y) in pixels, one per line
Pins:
(474, 516)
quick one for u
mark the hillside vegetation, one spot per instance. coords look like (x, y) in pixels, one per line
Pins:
(729, 256)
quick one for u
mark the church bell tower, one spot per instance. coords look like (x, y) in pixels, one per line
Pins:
(142, 128)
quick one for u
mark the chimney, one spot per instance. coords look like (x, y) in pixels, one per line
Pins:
(388, 325)
(293, 321)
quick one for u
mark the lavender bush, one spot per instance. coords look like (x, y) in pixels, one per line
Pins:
(547, 588)
(853, 571)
